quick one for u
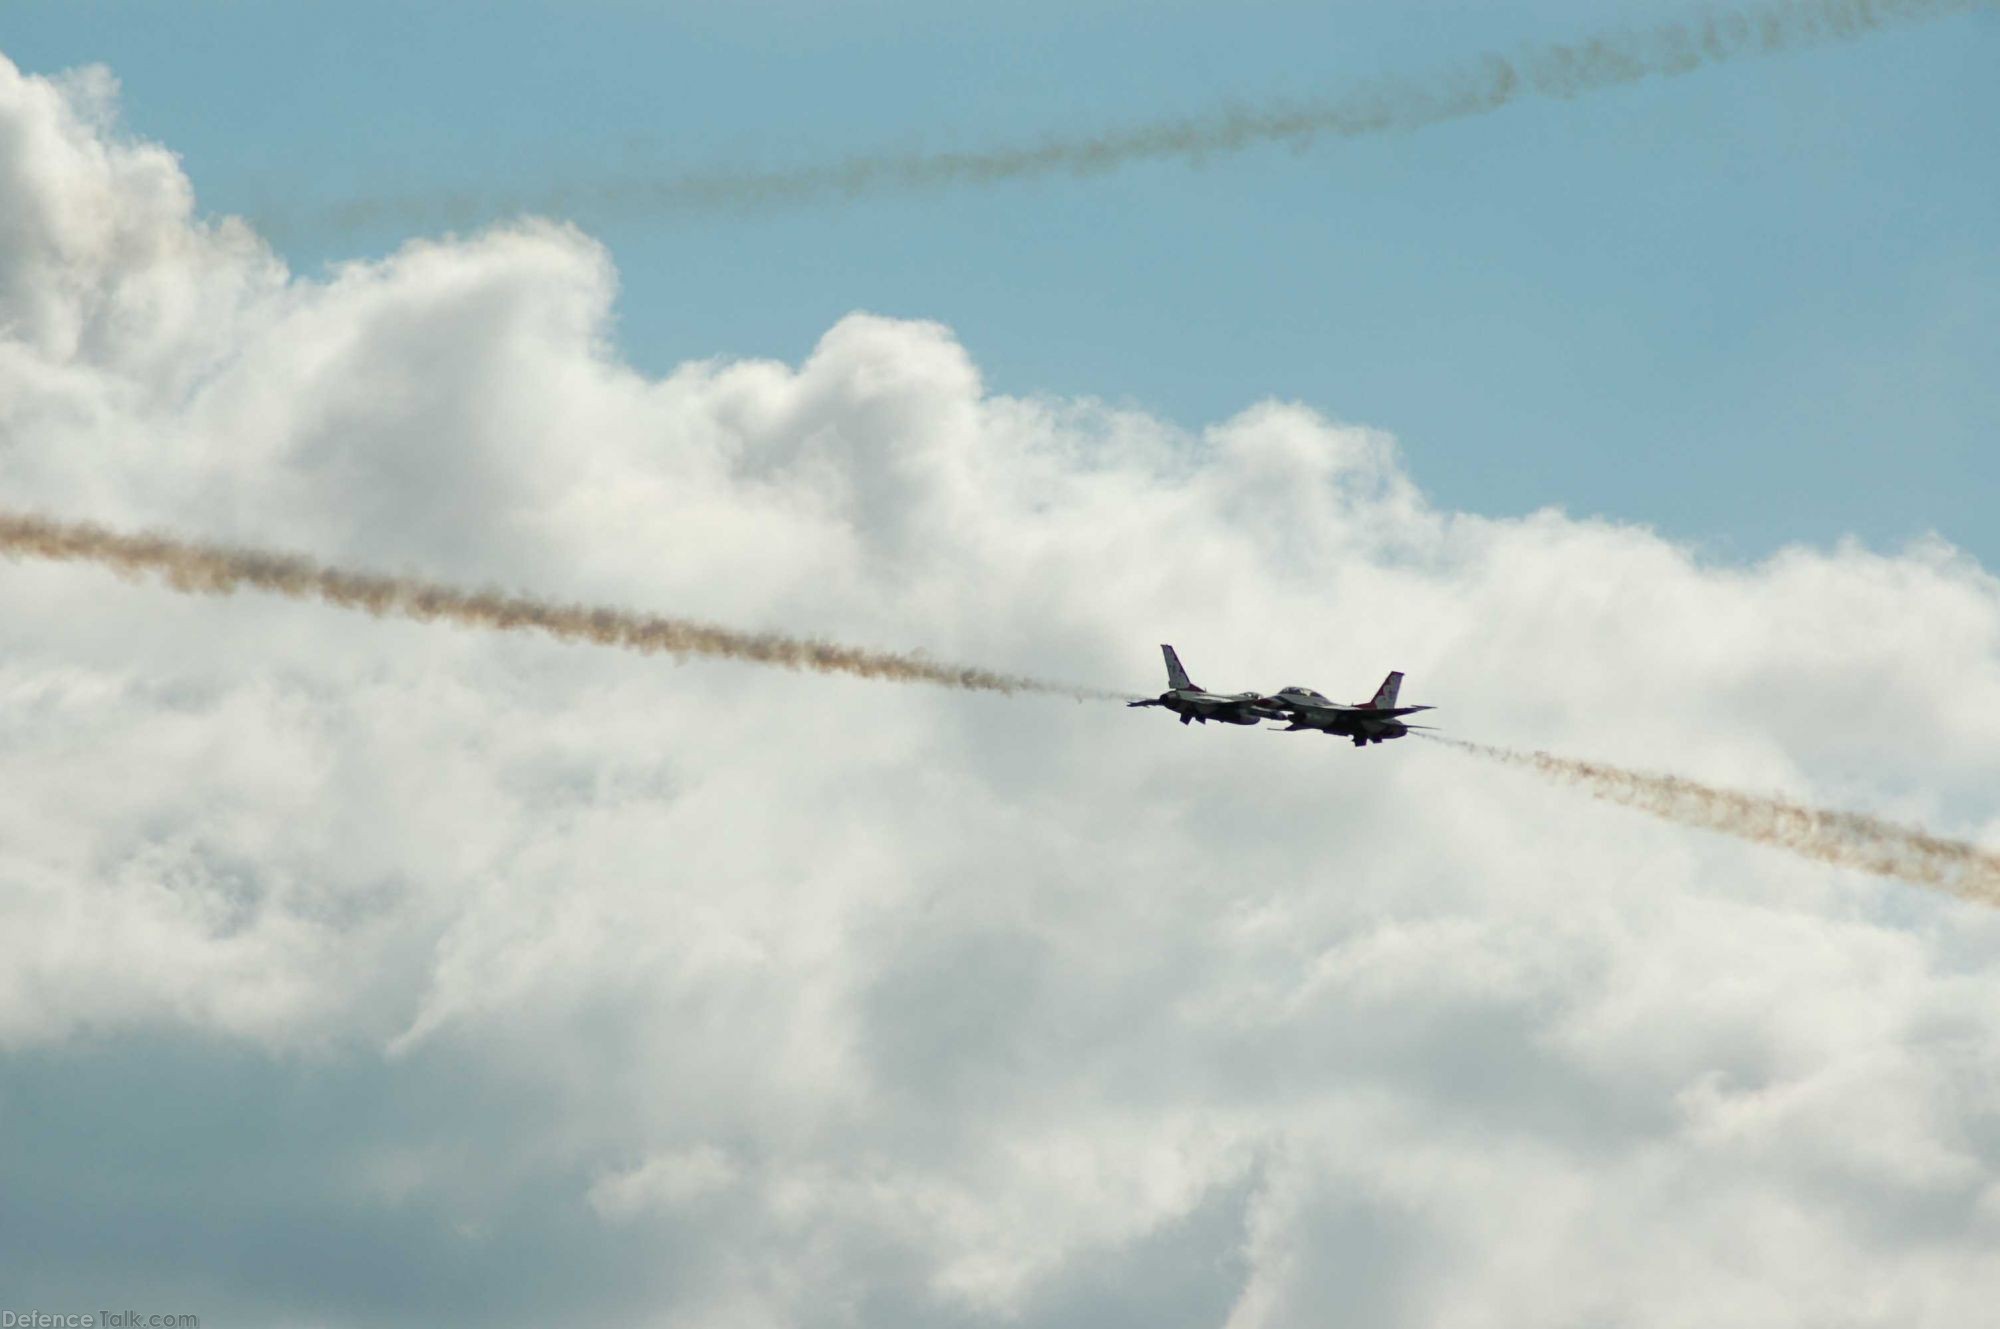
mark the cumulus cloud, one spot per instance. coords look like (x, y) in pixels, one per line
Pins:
(405, 973)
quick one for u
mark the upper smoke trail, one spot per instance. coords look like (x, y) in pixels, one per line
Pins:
(1845, 839)
(1605, 60)
(209, 569)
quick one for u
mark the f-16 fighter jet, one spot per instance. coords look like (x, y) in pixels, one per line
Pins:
(1369, 722)
(1189, 702)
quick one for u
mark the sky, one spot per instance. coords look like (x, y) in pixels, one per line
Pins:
(1748, 307)
(357, 972)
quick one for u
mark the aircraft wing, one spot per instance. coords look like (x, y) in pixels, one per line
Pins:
(1287, 706)
(1305, 715)
(1332, 709)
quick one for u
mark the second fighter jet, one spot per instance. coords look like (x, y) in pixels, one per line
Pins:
(1191, 703)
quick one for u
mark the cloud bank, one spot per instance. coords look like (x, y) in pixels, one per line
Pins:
(354, 972)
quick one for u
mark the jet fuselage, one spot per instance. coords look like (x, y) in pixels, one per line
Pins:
(1227, 708)
(1375, 721)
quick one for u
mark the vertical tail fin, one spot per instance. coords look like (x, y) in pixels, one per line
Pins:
(1385, 696)
(1176, 676)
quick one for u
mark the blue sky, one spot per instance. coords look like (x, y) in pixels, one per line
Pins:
(1751, 306)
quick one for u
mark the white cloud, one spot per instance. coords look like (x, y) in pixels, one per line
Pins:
(878, 1004)
(671, 1180)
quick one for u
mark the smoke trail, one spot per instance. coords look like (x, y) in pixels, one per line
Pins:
(207, 569)
(1845, 839)
(1608, 59)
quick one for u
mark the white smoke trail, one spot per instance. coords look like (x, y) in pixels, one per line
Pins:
(1845, 839)
(207, 569)
(1604, 60)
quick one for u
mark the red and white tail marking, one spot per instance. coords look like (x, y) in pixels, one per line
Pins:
(1385, 696)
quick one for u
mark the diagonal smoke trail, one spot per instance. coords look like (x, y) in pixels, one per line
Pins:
(1845, 839)
(208, 569)
(1604, 60)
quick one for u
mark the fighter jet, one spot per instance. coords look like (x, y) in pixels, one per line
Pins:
(1189, 702)
(1373, 721)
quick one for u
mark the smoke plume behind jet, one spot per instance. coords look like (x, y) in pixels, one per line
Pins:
(1844, 839)
(208, 569)
(1488, 83)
